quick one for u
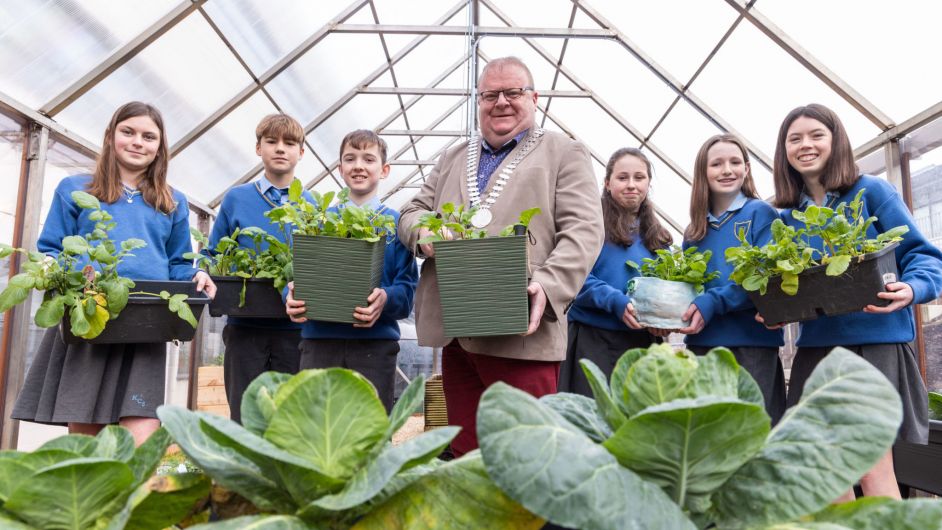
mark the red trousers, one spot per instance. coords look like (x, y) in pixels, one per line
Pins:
(466, 375)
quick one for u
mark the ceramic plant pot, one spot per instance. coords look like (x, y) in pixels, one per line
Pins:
(660, 303)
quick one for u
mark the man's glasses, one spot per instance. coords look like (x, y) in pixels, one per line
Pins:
(510, 94)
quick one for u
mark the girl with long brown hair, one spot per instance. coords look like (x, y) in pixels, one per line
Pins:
(814, 164)
(724, 205)
(87, 386)
(602, 322)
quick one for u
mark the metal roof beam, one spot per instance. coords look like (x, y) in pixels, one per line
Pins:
(344, 99)
(671, 82)
(462, 31)
(899, 131)
(465, 92)
(419, 132)
(608, 109)
(816, 67)
(392, 117)
(598, 158)
(119, 57)
(73, 140)
(263, 79)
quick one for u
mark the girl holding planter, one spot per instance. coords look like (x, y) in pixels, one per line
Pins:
(724, 202)
(602, 322)
(87, 386)
(814, 164)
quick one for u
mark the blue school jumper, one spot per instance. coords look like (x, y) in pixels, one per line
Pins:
(242, 207)
(919, 262)
(727, 312)
(602, 300)
(400, 276)
(167, 235)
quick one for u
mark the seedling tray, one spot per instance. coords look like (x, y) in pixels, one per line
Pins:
(482, 286)
(819, 294)
(262, 300)
(146, 318)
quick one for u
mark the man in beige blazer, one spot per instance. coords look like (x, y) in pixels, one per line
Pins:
(555, 175)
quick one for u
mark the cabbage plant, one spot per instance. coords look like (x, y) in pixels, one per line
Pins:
(103, 482)
(314, 452)
(676, 441)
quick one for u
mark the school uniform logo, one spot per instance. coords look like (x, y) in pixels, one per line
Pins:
(743, 226)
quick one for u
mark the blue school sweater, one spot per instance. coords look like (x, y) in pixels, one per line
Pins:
(919, 262)
(167, 235)
(400, 276)
(601, 301)
(725, 307)
(242, 207)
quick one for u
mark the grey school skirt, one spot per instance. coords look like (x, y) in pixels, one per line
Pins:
(92, 383)
(897, 362)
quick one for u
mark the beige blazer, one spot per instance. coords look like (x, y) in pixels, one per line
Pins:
(555, 176)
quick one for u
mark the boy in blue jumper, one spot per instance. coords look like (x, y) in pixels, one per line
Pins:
(256, 345)
(371, 345)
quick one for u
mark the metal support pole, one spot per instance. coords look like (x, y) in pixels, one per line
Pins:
(196, 346)
(906, 185)
(16, 328)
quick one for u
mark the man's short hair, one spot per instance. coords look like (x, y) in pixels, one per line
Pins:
(279, 126)
(362, 139)
(501, 62)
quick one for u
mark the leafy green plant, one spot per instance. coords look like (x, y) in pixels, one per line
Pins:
(79, 482)
(678, 265)
(318, 219)
(457, 221)
(842, 230)
(229, 258)
(314, 449)
(935, 406)
(677, 441)
(92, 293)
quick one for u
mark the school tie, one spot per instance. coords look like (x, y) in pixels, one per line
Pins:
(275, 194)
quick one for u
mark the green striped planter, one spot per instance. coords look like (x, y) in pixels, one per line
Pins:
(482, 284)
(334, 275)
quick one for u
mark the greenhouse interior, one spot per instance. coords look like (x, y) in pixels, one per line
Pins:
(601, 75)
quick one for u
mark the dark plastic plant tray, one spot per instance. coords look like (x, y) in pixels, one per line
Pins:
(146, 318)
(482, 285)
(335, 275)
(262, 300)
(920, 466)
(819, 294)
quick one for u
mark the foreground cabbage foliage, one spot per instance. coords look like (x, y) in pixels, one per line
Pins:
(315, 453)
(80, 482)
(675, 441)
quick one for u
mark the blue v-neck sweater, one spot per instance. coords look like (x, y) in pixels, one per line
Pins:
(167, 235)
(725, 307)
(919, 263)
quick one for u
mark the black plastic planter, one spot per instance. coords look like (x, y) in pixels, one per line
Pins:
(262, 300)
(920, 466)
(482, 285)
(335, 275)
(819, 294)
(146, 318)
